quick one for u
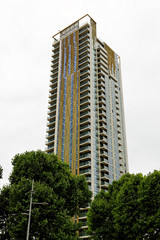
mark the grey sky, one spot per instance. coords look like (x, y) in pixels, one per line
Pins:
(130, 27)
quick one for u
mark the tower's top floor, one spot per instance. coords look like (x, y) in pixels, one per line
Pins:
(86, 19)
(80, 25)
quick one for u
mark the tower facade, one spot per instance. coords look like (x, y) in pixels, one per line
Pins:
(86, 126)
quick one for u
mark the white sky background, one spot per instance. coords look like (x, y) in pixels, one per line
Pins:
(130, 27)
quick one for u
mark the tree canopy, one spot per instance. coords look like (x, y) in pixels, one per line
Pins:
(54, 184)
(129, 210)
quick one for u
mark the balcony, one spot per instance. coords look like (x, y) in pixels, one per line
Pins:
(85, 83)
(118, 118)
(51, 124)
(103, 62)
(50, 147)
(52, 107)
(52, 112)
(102, 104)
(85, 60)
(121, 162)
(50, 142)
(55, 63)
(85, 156)
(83, 37)
(85, 76)
(104, 153)
(102, 95)
(85, 149)
(85, 164)
(85, 134)
(88, 178)
(122, 169)
(85, 120)
(102, 113)
(86, 48)
(84, 101)
(103, 126)
(50, 134)
(103, 147)
(54, 67)
(84, 28)
(48, 129)
(84, 128)
(103, 133)
(54, 75)
(104, 161)
(101, 83)
(119, 142)
(84, 89)
(101, 68)
(84, 55)
(86, 171)
(103, 120)
(53, 83)
(85, 141)
(85, 40)
(51, 95)
(51, 117)
(84, 95)
(101, 90)
(84, 107)
(55, 53)
(55, 44)
(82, 72)
(104, 169)
(103, 139)
(53, 91)
(55, 57)
(101, 48)
(104, 175)
(84, 66)
(102, 53)
(85, 114)
(83, 34)
(104, 184)
(52, 101)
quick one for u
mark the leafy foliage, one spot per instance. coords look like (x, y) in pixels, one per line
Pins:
(129, 210)
(53, 184)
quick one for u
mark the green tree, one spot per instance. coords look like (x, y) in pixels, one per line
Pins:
(149, 201)
(4, 213)
(54, 184)
(100, 219)
(126, 212)
(129, 210)
(100, 216)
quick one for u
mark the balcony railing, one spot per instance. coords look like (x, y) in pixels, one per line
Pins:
(84, 163)
(85, 171)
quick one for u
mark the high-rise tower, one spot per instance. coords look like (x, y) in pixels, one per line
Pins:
(86, 125)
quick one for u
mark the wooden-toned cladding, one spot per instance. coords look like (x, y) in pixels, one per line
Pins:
(93, 26)
(111, 58)
(67, 119)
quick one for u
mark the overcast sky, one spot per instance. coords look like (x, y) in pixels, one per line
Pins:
(130, 27)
